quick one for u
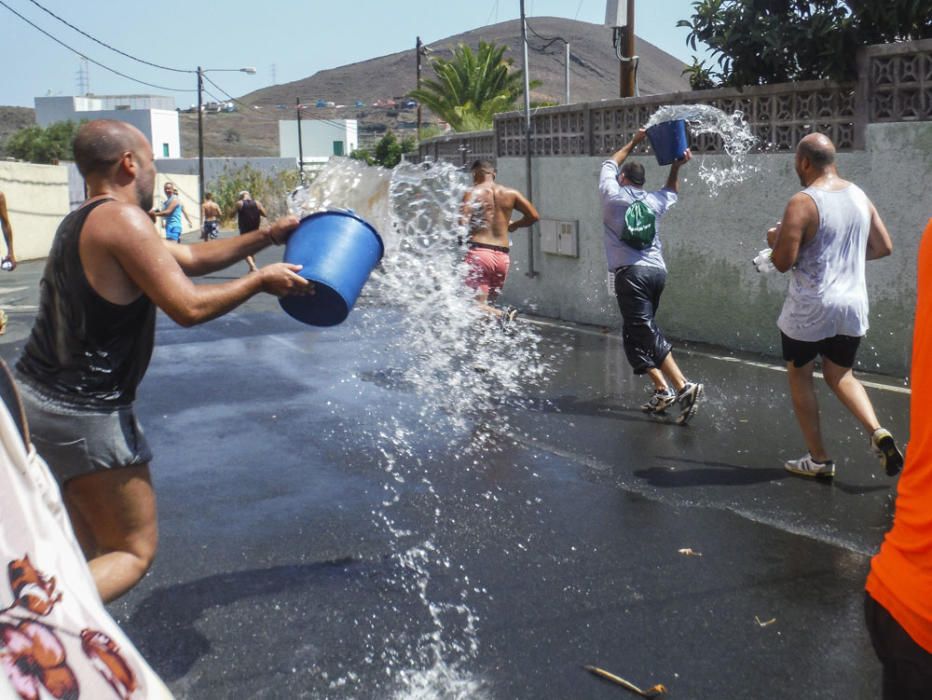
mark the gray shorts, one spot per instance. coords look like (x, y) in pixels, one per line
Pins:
(74, 440)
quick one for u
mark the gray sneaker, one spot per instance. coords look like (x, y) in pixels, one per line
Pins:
(688, 399)
(884, 448)
(660, 400)
(807, 466)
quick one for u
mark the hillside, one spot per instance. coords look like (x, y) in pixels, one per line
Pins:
(593, 76)
(254, 132)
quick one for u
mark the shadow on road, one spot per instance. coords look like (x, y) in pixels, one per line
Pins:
(163, 624)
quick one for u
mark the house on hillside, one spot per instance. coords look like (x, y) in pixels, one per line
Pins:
(154, 115)
(321, 139)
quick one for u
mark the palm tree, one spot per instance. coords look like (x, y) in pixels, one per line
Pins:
(472, 88)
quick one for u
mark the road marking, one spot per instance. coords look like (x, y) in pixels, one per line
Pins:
(11, 290)
(748, 363)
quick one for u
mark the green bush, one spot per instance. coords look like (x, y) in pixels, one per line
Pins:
(269, 189)
(50, 144)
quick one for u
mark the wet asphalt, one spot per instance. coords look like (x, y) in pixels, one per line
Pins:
(277, 577)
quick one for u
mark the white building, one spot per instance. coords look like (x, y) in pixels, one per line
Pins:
(153, 115)
(320, 139)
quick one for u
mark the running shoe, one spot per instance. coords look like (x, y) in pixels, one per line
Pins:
(509, 314)
(688, 399)
(660, 400)
(807, 466)
(885, 449)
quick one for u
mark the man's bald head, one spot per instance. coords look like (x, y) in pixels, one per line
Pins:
(819, 149)
(100, 144)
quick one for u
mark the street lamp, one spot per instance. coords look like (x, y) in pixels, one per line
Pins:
(200, 120)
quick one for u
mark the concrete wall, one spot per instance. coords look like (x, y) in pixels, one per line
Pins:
(214, 167)
(37, 199)
(713, 293)
(317, 137)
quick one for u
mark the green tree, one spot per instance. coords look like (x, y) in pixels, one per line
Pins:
(471, 88)
(387, 151)
(759, 42)
(43, 145)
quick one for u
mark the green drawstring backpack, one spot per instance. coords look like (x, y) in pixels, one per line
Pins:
(640, 226)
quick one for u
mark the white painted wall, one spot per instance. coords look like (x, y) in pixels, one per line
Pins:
(318, 138)
(37, 199)
(713, 293)
(159, 125)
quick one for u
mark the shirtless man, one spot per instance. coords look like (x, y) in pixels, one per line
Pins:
(487, 210)
(9, 262)
(210, 215)
(90, 345)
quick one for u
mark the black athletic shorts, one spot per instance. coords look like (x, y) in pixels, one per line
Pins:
(840, 349)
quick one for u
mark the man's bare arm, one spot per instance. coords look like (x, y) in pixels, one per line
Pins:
(879, 243)
(673, 182)
(209, 256)
(151, 266)
(168, 210)
(530, 217)
(799, 219)
(261, 209)
(621, 155)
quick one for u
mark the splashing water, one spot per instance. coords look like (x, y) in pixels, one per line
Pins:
(463, 367)
(737, 141)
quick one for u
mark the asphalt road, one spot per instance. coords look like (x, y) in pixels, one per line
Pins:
(309, 551)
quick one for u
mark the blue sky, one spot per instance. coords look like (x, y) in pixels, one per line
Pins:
(297, 37)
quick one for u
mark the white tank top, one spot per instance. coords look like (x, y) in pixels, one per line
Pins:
(828, 292)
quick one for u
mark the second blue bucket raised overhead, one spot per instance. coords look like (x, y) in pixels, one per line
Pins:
(668, 140)
(338, 250)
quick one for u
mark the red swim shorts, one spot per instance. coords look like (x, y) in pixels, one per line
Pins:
(487, 270)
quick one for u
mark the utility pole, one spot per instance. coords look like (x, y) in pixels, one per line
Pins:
(629, 66)
(527, 140)
(567, 76)
(419, 51)
(297, 101)
(200, 137)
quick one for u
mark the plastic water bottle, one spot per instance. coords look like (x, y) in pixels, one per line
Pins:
(763, 263)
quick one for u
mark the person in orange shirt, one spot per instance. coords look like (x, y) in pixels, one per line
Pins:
(899, 586)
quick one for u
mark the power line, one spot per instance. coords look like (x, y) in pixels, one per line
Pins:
(578, 8)
(106, 45)
(91, 60)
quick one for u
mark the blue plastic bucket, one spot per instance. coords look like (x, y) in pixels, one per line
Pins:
(668, 140)
(338, 251)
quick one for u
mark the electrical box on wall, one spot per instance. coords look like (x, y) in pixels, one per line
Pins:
(616, 13)
(559, 237)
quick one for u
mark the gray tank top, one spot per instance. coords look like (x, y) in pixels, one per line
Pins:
(828, 291)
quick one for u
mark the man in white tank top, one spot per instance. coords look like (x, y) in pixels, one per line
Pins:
(828, 232)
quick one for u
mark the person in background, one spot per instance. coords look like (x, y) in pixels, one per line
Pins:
(635, 260)
(828, 232)
(171, 211)
(898, 606)
(487, 208)
(210, 216)
(249, 213)
(9, 262)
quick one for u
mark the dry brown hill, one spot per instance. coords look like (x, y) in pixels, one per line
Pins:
(593, 76)
(254, 132)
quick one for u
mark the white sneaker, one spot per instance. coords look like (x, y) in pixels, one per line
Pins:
(688, 399)
(807, 466)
